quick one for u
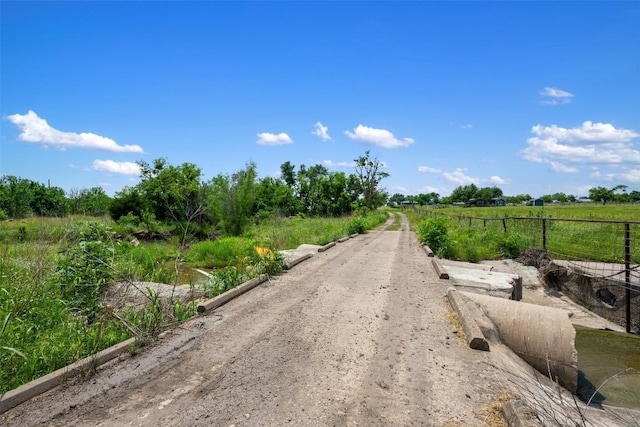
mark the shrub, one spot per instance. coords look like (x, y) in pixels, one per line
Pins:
(434, 233)
(356, 226)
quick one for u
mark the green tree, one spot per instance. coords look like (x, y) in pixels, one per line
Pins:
(129, 200)
(15, 196)
(231, 199)
(600, 194)
(464, 193)
(287, 169)
(397, 199)
(173, 193)
(369, 173)
(274, 197)
(93, 201)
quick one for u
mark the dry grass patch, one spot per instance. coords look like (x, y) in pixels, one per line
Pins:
(491, 414)
(454, 320)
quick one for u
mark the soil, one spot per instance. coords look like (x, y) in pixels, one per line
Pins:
(356, 335)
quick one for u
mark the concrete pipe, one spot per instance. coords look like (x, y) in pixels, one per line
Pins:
(542, 336)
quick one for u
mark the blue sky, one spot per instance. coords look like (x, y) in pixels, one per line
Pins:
(532, 97)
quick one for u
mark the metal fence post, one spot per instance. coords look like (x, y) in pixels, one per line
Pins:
(544, 234)
(627, 276)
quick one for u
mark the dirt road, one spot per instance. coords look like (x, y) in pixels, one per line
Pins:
(356, 335)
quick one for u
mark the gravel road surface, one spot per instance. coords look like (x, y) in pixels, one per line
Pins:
(354, 336)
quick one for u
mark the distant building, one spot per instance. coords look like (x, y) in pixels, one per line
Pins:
(535, 202)
(499, 201)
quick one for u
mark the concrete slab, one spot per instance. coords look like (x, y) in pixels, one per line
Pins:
(469, 265)
(484, 282)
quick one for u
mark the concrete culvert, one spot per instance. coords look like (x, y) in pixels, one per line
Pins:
(542, 336)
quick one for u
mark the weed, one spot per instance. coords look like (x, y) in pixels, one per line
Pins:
(434, 233)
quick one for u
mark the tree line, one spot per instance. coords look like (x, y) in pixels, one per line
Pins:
(225, 204)
(462, 194)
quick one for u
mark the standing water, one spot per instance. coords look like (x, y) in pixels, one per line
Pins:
(609, 367)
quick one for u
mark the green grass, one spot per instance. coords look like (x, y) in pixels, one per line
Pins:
(504, 232)
(52, 271)
(624, 212)
(289, 233)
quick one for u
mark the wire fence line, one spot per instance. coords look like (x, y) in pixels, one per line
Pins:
(604, 253)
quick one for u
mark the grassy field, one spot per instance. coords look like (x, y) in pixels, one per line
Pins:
(504, 232)
(624, 212)
(54, 271)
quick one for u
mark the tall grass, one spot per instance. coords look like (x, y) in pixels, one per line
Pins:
(507, 231)
(50, 307)
(54, 270)
(288, 233)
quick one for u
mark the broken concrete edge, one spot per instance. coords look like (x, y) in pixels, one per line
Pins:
(517, 414)
(428, 251)
(21, 394)
(327, 246)
(474, 335)
(297, 261)
(442, 272)
(231, 294)
(343, 239)
(353, 235)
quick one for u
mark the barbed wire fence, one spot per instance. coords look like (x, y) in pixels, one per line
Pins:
(596, 261)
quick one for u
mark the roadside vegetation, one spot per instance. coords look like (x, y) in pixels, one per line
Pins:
(461, 233)
(62, 256)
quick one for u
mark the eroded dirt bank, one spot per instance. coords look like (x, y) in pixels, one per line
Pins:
(354, 336)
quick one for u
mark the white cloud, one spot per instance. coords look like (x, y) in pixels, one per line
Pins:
(428, 189)
(37, 130)
(266, 138)
(332, 164)
(556, 96)
(496, 180)
(427, 169)
(380, 137)
(458, 177)
(595, 143)
(562, 168)
(122, 168)
(632, 175)
(322, 132)
(467, 126)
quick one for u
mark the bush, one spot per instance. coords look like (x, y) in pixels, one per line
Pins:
(356, 226)
(433, 232)
(511, 246)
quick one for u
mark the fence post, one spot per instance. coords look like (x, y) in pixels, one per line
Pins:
(504, 224)
(544, 234)
(627, 276)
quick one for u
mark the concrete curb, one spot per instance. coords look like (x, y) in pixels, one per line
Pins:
(297, 261)
(428, 251)
(231, 294)
(15, 397)
(442, 272)
(353, 235)
(517, 414)
(31, 389)
(344, 239)
(327, 246)
(474, 335)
